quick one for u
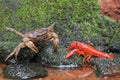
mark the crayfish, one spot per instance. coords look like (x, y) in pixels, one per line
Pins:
(87, 50)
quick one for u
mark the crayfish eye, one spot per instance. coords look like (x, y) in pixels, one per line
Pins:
(70, 47)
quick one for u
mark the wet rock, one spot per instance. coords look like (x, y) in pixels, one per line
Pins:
(57, 59)
(106, 67)
(24, 71)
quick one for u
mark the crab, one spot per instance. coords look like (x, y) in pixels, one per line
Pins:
(32, 37)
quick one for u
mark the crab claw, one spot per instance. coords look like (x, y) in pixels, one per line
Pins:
(31, 45)
(55, 41)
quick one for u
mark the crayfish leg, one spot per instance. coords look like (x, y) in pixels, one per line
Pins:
(86, 58)
(80, 52)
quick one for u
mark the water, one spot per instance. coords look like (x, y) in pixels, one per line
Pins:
(85, 73)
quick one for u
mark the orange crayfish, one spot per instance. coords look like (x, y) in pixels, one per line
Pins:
(86, 50)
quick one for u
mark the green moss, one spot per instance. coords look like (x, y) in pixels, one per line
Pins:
(76, 19)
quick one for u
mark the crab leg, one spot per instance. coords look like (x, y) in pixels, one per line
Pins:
(51, 27)
(11, 54)
(15, 51)
(13, 30)
(86, 58)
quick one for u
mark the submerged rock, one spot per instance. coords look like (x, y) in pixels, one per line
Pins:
(24, 71)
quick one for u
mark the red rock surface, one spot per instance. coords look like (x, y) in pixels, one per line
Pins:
(110, 8)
